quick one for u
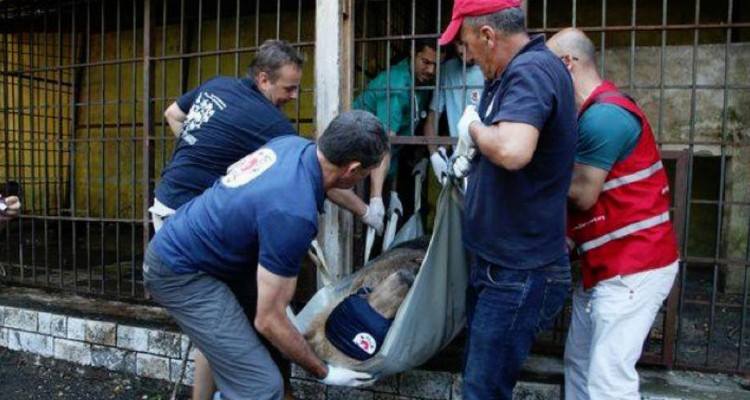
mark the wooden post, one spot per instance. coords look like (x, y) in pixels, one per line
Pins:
(333, 90)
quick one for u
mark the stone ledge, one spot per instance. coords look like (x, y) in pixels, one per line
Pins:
(149, 352)
(156, 353)
(73, 351)
(30, 342)
(19, 318)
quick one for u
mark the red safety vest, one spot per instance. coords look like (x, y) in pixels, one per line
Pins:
(628, 229)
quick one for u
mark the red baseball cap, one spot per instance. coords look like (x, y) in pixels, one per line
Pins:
(472, 8)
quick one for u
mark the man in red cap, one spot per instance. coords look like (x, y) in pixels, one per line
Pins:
(517, 149)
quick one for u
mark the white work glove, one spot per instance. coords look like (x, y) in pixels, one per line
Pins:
(420, 168)
(338, 376)
(394, 205)
(439, 161)
(374, 214)
(465, 142)
(10, 207)
(465, 150)
(462, 164)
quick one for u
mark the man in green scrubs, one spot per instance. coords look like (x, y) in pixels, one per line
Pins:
(390, 97)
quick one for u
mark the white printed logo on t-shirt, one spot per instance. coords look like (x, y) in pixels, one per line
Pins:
(203, 108)
(249, 168)
(474, 96)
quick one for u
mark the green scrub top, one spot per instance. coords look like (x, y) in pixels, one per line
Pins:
(395, 117)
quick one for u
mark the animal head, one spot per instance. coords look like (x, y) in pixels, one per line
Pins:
(388, 295)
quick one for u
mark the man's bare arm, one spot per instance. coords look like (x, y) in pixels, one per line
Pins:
(586, 186)
(274, 294)
(349, 200)
(175, 118)
(509, 145)
(430, 129)
(378, 175)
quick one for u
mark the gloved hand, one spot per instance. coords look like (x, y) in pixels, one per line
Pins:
(439, 161)
(374, 214)
(420, 168)
(394, 204)
(338, 376)
(462, 164)
(10, 207)
(465, 142)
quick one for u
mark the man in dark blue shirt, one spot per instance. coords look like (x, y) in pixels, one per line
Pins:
(522, 139)
(216, 124)
(225, 119)
(222, 121)
(255, 224)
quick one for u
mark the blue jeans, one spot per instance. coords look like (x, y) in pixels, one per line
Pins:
(506, 308)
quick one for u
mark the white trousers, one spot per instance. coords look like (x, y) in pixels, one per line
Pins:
(608, 328)
(159, 212)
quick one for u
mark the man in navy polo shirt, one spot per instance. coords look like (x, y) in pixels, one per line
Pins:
(522, 140)
(220, 122)
(256, 224)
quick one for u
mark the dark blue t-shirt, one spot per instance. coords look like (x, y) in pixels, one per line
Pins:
(516, 219)
(264, 211)
(227, 118)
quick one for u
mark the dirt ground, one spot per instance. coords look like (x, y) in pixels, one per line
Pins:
(27, 377)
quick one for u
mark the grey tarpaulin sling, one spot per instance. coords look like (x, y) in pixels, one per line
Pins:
(433, 312)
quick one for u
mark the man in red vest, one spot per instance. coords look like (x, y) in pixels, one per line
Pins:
(619, 224)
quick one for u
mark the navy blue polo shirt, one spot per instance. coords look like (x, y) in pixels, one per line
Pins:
(264, 211)
(227, 118)
(516, 219)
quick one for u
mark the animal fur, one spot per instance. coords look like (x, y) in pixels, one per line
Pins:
(390, 276)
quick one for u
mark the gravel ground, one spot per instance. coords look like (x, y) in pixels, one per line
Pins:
(26, 377)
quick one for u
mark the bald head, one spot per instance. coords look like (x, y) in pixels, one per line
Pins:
(574, 43)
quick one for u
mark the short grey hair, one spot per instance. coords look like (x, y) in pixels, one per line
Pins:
(508, 21)
(272, 56)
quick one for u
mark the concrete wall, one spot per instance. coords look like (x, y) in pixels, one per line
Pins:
(716, 132)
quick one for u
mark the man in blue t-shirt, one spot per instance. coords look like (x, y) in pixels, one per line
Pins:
(226, 118)
(255, 224)
(220, 122)
(223, 120)
(461, 85)
(522, 140)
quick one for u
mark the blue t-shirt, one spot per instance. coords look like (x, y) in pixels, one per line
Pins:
(516, 219)
(264, 211)
(607, 133)
(457, 91)
(227, 118)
